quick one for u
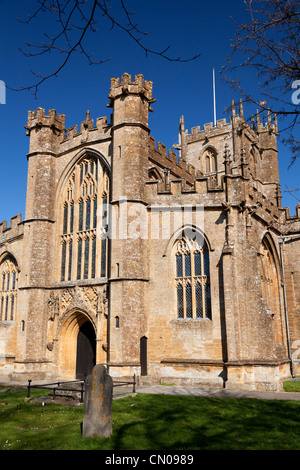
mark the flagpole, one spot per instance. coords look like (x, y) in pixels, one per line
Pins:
(214, 92)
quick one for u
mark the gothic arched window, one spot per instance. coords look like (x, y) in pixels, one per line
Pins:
(8, 289)
(192, 277)
(210, 161)
(84, 237)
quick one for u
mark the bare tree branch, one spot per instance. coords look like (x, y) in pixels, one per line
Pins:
(270, 44)
(77, 19)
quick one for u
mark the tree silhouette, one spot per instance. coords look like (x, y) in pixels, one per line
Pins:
(269, 43)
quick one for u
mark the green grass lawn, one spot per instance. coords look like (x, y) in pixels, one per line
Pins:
(154, 422)
(292, 386)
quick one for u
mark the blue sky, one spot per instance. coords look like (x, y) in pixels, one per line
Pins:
(191, 27)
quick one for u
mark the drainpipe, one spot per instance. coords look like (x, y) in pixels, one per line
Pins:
(281, 240)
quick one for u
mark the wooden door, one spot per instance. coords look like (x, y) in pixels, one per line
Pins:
(143, 355)
(86, 350)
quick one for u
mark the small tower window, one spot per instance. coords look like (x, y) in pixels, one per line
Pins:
(210, 161)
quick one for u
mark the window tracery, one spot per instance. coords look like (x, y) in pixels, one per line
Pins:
(192, 277)
(8, 292)
(82, 246)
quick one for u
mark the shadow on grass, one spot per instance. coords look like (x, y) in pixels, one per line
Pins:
(190, 423)
(156, 422)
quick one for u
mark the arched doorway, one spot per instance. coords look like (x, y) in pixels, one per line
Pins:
(86, 350)
(77, 348)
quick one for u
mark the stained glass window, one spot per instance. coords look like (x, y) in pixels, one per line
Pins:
(65, 228)
(12, 306)
(80, 227)
(88, 214)
(199, 301)
(95, 213)
(63, 261)
(189, 307)
(71, 218)
(79, 257)
(86, 258)
(70, 260)
(103, 257)
(187, 264)
(94, 244)
(6, 309)
(180, 301)
(179, 265)
(193, 277)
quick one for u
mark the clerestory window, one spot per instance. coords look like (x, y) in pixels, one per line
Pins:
(8, 289)
(84, 222)
(192, 277)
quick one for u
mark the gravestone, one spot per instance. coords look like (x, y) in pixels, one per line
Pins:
(97, 411)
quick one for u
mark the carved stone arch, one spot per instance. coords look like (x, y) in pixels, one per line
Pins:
(87, 152)
(68, 316)
(69, 328)
(270, 240)
(178, 234)
(11, 256)
(270, 273)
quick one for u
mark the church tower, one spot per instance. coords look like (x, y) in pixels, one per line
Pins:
(46, 132)
(130, 101)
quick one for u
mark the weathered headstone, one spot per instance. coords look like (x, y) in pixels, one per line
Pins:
(97, 411)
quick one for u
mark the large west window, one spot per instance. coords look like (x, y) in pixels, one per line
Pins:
(192, 277)
(84, 222)
(8, 289)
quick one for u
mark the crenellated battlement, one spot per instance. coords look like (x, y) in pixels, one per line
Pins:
(87, 126)
(56, 121)
(256, 124)
(292, 218)
(11, 231)
(209, 130)
(126, 86)
(38, 118)
(170, 161)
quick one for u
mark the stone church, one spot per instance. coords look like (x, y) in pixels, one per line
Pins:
(179, 266)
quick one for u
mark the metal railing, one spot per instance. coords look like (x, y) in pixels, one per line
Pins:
(64, 386)
(57, 386)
